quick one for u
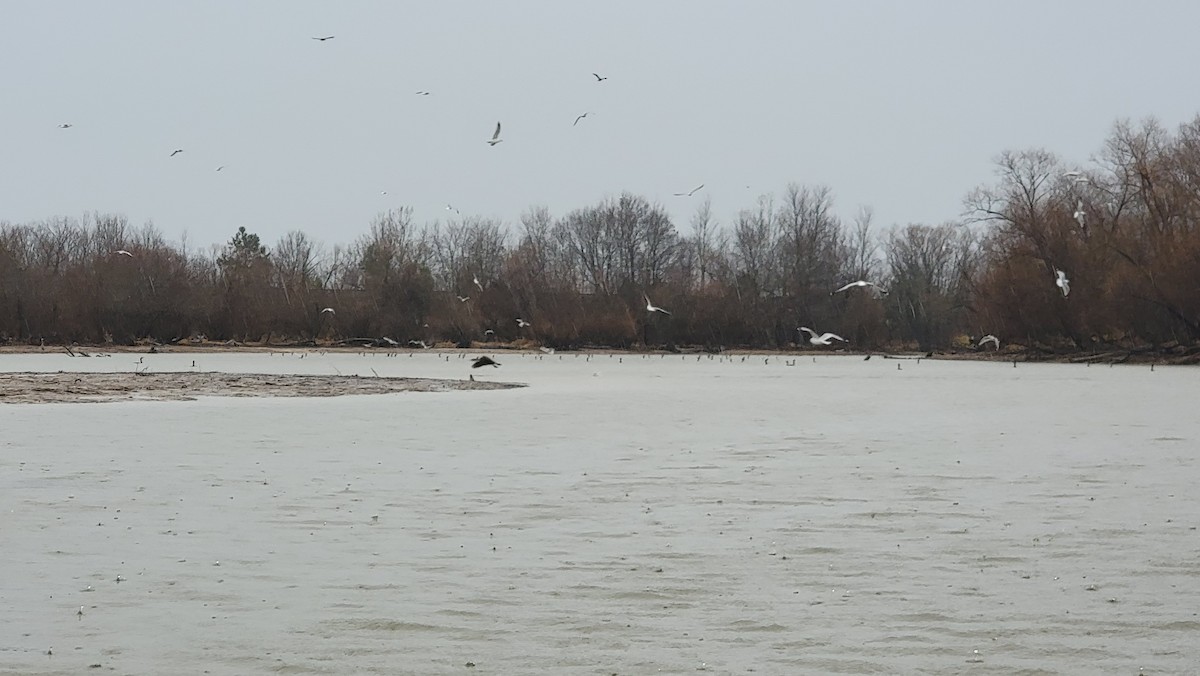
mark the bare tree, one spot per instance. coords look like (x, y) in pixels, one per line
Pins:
(930, 268)
(863, 257)
(705, 242)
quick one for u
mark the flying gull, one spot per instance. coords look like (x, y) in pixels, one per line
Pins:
(1079, 214)
(323, 39)
(476, 280)
(598, 78)
(1061, 281)
(521, 323)
(989, 338)
(652, 308)
(579, 118)
(823, 339)
(495, 137)
(483, 361)
(175, 152)
(329, 310)
(422, 93)
(861, 282)
(689, 193)
(463, 299)
(122, 252)
(65, 125)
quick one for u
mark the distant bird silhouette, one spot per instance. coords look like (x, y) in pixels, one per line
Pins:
(689, 193)
(220, 167)
(495, 136)
(450, 208)
(823, 339)
(329, 310)
(419, 343)
(1079, 214)
(323, 39)
(422, 93)
(579, 118)
(477, 283)
(122, 252)
(175, 152)
(598, 78)
(1061, 281)
(652, 308)
(463, 299)
(989, 338)
(483, 361)
(65, 126)
(521, 323)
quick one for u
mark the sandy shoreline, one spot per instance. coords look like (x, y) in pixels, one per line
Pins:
(66, 387)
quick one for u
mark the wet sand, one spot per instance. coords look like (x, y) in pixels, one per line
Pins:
(81, 387)
(619, 515)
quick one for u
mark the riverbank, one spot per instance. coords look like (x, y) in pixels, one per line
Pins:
(1174, 354)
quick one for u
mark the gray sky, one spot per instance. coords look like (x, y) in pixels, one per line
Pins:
(897, 105)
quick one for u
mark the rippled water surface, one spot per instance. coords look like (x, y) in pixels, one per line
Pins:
(619, 515)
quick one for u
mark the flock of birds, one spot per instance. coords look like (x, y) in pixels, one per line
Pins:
(825, 339)
(815, 339)
(493, 141)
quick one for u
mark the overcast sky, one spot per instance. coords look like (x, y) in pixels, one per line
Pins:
(898, 105)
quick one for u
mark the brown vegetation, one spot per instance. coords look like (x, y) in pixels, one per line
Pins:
(1133, 258)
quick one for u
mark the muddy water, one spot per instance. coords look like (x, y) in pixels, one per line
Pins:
(619, 515)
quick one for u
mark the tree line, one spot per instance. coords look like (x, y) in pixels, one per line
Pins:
(1125, 230)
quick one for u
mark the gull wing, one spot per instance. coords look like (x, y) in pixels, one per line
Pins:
(833, 336)
(497, 134)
